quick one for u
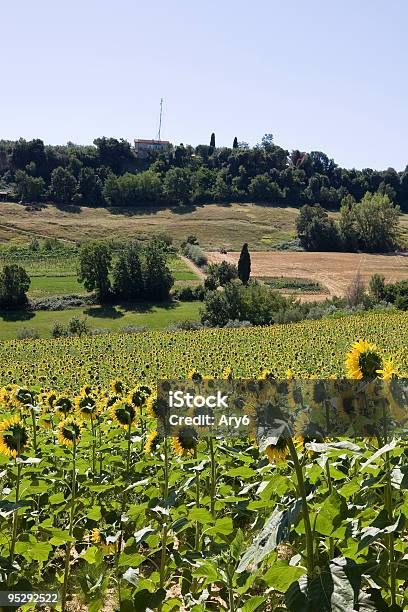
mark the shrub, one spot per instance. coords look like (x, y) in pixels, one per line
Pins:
(184, 325)
(237, 324)
(218, 275)
(100, 331)
(78, 326)
(58, 330)
(62, 302)
(133, 329)
(196, 254)
(25, 333)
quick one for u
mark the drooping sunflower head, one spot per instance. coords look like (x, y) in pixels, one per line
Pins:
(86, 406)
(63, 405)
(13, 437)
(363, 361)
(277, 452)
(157, 407)
(22, 396)
(152, 442)
(138, 397)
(69, 431)
(86, 390)
(100, 537)
(117, 387)
(227, 374)
(47, 400)
(123, 413)
(194, 375)
(185, 442)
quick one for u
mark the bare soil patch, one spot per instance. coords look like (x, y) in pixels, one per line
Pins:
(334, 271)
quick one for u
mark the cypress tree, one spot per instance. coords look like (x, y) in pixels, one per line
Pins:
(244, 265)
(212, 140)
(235, 143)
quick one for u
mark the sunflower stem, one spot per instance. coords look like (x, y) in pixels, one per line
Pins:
(388, 505)
(165, 527)
(71, 527)
(197, 533)
(34, 429)
(305, 508)
(330, 487)
(213, 477)
(15, 516)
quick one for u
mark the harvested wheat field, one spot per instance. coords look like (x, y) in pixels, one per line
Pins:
(334, 271)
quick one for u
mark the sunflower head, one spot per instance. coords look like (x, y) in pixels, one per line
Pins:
(227, 374)
(123, 413)
(157, 407)
(13, 437)
(388, 371)
(100, 537)
(194, 375)
(363, 361)
(23, 396)
(69, 431)
(152, 442)
(86, 406)
(86, 390)
(63, 405)
(47, 400)
(117, 387)
(277, 452)
(185, 443)
(137, 397)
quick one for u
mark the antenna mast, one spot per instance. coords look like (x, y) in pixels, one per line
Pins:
(160, 120)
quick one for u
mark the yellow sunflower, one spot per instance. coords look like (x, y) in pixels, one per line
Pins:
(86, 406)
(100, 537)
(363, 361)
(117, 387)
(388, 371)
(123, 413)
(194, 375)
(152, 442)
(63, 405)
(185, 443)
(69, 431)
(13, 437)
(156, 408)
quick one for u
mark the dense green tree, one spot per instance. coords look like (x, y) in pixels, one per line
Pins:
(263, 189)
(95, 260)
(235, 143)
(63, 185)
(158, 279)
(212, 140)
(14, 284)
(89, 186)
(244, 265)
(127, 274)
(177, 186)
(375, 223)
(316, 231)
(29, 188)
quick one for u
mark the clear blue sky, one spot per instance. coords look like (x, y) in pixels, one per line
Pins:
(327, 75)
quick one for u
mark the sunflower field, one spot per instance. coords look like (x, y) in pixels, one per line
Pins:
(97, 505)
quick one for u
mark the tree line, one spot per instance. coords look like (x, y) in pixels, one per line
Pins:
(109, 173)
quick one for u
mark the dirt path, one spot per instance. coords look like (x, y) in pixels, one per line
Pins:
(196, 269)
